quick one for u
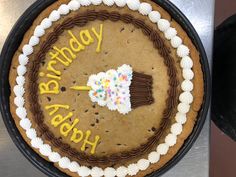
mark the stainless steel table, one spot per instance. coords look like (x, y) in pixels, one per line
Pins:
(194, 164)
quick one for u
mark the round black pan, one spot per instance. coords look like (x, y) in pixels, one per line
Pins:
(12, 43)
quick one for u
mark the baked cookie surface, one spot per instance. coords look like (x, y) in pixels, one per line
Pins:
(77, 131)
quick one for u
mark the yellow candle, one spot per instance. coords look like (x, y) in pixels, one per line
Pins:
(81, 88)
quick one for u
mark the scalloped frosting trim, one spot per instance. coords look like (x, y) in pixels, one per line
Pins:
(185, 98)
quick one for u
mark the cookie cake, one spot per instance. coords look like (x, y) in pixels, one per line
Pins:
(106, 87)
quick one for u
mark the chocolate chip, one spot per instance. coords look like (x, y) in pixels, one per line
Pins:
(153, 129)
(49, 98)
(63, 89)
(122, 29)
(92, 125)
(96, 113)
(86, 110)
(97, 121)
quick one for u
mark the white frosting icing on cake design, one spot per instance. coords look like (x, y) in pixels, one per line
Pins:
(183, 107)
(111, 89)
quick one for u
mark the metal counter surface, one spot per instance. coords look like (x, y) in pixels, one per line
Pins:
(194, 164)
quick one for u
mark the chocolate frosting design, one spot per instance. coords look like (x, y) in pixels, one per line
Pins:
(141, 90)
(81, 20)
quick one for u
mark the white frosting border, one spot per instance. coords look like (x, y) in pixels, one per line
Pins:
(185, 99)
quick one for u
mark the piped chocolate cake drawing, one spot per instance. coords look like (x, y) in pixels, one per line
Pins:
(122, 89)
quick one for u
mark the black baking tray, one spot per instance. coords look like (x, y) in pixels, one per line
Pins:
(11, 45)
(223, 78)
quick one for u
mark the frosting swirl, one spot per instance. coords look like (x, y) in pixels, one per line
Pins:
(111, 89)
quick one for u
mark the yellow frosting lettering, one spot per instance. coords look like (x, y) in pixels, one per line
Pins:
(41, 74)
(58, 119)
(49, 87)
(56, 107)
(75, 45)
(85, 37)
(55, 56)
(98, 36)
(65, 128)
(77, 135)
(87, 142)
(63, 52)
(51, 68)
(53, 76)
